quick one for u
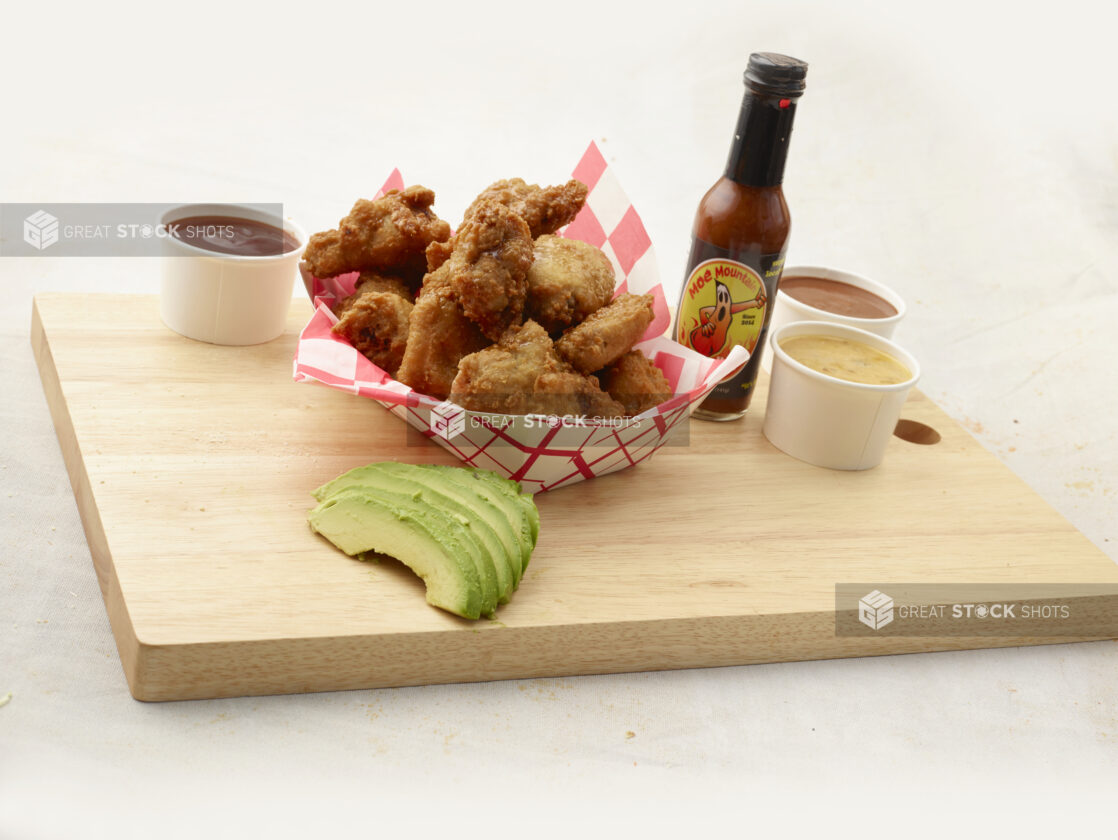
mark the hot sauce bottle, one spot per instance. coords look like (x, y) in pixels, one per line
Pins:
(740, 235)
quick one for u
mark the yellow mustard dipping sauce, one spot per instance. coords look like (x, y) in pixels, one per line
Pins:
(845, 359)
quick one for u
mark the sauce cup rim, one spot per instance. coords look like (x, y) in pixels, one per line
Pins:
(846, 331)
(255, 214)
(891, 297)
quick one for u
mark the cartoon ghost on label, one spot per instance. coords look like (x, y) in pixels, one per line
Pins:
(711, 336)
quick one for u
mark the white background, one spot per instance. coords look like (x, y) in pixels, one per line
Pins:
(964, 153)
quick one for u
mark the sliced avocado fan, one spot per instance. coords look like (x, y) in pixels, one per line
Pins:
(468, 533)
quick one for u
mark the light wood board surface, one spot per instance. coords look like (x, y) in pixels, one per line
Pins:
(192, 466)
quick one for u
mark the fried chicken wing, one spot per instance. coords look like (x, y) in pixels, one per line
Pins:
(439, 336)
(376, 323)
(387, 234)
(568, 280)
(570, 393)
(545, 209)
(370, 281)
(487, 268)
(607, 334)
(522, 374)
(635, 382)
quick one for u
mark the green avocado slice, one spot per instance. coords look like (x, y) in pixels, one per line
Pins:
(435, 546)
(529, 514)
(437, 489)
(458, 490)
(519, 508)
(409, 482)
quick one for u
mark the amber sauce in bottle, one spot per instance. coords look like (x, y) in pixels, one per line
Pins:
(740, 235)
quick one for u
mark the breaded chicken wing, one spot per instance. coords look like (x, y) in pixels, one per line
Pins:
(608, 334)
(370, 281)
(439, 336)
(486, 268)
(545, 209)
(376, 323)
(568, 281)
(388, 234)
(635, 382)
(522, 374)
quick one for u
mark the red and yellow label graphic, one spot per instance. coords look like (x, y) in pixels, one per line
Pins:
(723, 304)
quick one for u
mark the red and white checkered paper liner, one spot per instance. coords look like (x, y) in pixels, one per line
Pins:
(540, 453)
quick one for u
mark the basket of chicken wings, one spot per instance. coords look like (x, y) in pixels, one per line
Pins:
(530, 341)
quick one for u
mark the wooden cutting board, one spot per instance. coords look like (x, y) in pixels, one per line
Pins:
(192, 466)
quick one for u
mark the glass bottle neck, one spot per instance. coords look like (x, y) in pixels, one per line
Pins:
(760, 145)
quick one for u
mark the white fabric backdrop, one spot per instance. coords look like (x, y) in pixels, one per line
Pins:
(964, 153)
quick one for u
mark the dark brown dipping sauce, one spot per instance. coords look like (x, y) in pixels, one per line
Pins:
(233, 235)
(837, 297)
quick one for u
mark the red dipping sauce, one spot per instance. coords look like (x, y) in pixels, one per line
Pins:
(837, 297)
(233, 235)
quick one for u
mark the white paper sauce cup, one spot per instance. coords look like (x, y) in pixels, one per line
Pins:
(831, 422)
(226, 298)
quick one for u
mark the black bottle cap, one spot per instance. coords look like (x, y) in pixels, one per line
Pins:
(776, 74)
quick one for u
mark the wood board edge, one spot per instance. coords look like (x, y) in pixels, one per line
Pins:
(119, 620)
(233, 669)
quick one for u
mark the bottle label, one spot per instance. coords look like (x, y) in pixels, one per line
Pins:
(723, 303)
(726, 302)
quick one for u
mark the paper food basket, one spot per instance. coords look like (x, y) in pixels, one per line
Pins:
(542, 453)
